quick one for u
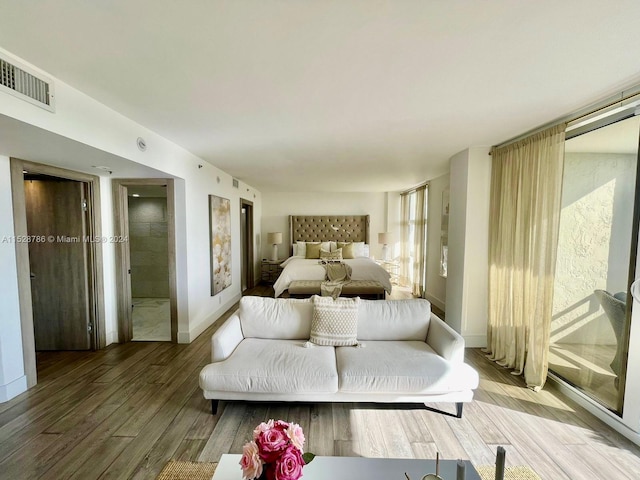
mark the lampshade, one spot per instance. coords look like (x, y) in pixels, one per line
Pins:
(385, 238)
(274, 238)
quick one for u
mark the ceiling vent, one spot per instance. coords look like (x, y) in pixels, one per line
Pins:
(22, 82)
(236, 183)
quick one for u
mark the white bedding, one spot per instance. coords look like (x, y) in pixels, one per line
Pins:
(296, 268)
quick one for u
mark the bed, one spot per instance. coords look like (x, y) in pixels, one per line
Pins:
(329, 230)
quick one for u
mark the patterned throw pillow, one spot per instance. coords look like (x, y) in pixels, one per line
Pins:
(331, 256)
(334, 322)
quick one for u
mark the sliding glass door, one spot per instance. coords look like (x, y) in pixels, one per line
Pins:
(589, 332)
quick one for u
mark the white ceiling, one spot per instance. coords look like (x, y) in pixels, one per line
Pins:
(339, 95)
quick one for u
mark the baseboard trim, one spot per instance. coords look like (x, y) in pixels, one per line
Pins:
(196, 330)
(13, 389)
(435, 300)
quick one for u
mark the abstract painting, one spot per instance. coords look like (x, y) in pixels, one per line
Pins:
(220, 226)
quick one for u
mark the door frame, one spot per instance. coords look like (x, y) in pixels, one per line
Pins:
(94, 261)
(247, 260)
(120, 187)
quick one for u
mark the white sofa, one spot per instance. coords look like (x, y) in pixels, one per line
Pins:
(407, 354)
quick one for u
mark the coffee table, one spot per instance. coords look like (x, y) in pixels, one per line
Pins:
(352, 468)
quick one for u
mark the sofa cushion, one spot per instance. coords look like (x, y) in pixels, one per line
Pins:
(394, 319)
(408, 367)
(273, 366)
(276, 318)
(335, 322)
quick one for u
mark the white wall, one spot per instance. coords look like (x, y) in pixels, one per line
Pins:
(84, 120)
(467, 293)
(277, 206)
(436, 288)
(12, 375)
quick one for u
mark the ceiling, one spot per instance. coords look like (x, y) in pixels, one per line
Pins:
(332, 95)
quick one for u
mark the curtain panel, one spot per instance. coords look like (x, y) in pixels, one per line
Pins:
(526, 189)
(413, 240)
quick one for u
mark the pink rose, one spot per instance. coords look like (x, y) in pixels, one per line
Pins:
(263, 427)
(272, 442)
(289, 465)
(251, 462)
(295, 434)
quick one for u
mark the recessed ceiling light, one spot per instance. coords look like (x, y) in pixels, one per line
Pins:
(24, 171)
(135, 195)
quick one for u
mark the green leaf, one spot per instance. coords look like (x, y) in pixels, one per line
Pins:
(307, 457)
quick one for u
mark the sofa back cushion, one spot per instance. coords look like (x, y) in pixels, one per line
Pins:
(281, 318)
(394, 319)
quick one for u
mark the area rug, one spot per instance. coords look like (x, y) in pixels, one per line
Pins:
(187, 471)
(488, 472)
(204, 471)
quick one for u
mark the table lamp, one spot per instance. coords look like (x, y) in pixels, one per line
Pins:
(274, 238)
(385, 238)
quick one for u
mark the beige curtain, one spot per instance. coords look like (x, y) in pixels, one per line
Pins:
(405, 256)
(526, 187)
(413, 240)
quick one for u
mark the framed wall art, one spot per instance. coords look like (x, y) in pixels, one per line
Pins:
(220, 235)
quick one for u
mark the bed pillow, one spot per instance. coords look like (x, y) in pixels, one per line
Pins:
(331, 256)
(301, 249)
(334, 322)
(313, 250)
(358, 249)
(347, 249)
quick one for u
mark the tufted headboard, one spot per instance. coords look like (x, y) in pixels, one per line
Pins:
(323, 228)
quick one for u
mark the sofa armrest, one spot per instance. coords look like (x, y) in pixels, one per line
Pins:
(225, 340)
(445, 340)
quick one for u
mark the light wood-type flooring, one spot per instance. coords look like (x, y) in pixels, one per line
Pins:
(123, 412)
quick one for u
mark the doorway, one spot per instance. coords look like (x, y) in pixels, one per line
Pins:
(145, 263)
(148, 251)
(60, 272)
(246, 241)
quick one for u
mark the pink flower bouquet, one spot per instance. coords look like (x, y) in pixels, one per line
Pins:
(275, 453)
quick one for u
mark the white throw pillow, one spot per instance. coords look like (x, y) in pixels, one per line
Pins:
(358, 250)
(301, 250)
(334, 322)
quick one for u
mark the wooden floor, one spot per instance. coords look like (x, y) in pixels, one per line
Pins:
(123, 412)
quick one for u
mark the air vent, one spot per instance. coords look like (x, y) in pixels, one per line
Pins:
(26, 85)
(236, 183)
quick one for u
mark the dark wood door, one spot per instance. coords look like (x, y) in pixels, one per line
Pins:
(58, 260)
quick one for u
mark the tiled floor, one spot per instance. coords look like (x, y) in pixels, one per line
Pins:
(151, 319)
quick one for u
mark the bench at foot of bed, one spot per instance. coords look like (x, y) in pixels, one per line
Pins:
(355, 288)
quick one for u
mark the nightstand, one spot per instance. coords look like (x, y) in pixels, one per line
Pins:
(270, 270)
(392, 267)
